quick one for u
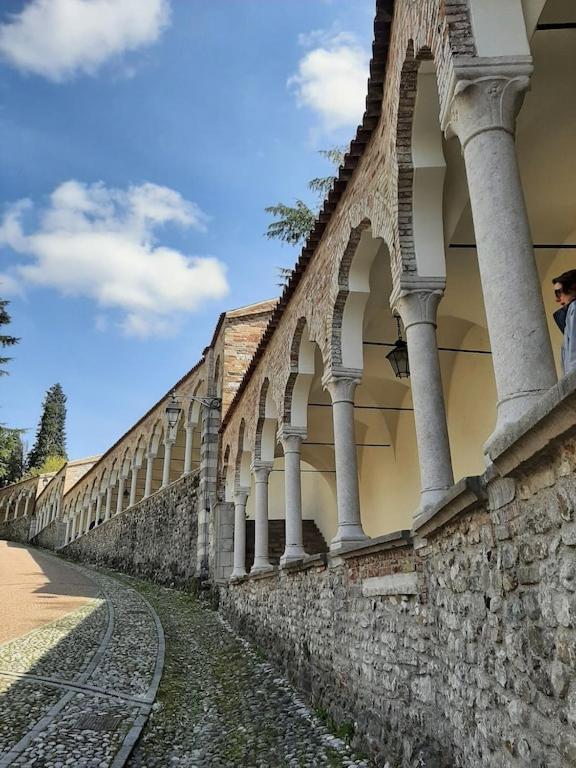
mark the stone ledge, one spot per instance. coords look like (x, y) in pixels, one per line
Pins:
(371, 546)
(392, 584)
(549, 419)
(264, 574)
(310, 561)
(463, 495)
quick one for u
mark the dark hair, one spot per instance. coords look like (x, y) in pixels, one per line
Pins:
(567, 280)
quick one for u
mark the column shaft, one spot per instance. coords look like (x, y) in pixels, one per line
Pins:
(120, 499)
(188, 449)
(133, 482)
(342, 390)
(149, 468)
(239, 569)
(291, 442)
(261, 473)
(107, 509)
(166, 466)
(418, 309)
(483, 116)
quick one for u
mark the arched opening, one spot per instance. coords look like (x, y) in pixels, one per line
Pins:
(304, 405)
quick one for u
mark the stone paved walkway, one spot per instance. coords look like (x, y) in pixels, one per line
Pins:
(36, 589)
(220, 706)
(76, 691)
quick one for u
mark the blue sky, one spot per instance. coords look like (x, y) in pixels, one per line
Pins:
(140, 143)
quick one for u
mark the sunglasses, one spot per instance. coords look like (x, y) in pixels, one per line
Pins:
(558, 292)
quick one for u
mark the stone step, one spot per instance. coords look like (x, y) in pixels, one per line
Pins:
(314, 541)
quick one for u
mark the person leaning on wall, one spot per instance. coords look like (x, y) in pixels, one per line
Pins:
(565, 317)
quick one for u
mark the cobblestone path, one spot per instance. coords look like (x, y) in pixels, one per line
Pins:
(76, 691)
(220, 706)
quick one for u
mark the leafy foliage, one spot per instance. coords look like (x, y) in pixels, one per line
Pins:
(11, 455)
(52, 464)
(294, 222)
(51, 434)
(5, 340)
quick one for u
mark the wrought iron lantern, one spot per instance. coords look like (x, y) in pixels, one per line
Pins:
(398, 355)
(173, 411)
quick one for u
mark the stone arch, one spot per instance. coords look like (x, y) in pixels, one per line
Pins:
(353, 294)
(300, 377)
(421, 168)
(267, 424)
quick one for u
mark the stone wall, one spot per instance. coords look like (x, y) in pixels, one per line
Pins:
(51, 536)
(454, 649)
(155, 539)
(15, 530)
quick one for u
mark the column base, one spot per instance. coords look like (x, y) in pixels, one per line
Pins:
(512, 408)
(348, 534)
(238, 574)
(291, 553)
(261, 568)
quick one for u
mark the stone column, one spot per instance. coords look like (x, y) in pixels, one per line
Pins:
(133, 482)
(67, 530)
(149, 468)
(73, 529)
(88, 517)
(291, 439)
(98, 510)
(418, 309)
(120, 498)
(188, 449)
(240, 499)
(261, 471)
(26, 505)
(482, 113)
(341, 388)
(166, 466)
(107, 509)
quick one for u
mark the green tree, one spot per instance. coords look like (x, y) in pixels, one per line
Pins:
(11, 455)
(5, 340)
(50, 465)
(294, 222)
(51, 434)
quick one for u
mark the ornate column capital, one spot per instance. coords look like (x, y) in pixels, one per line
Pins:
(291, 438)
(241, 496)
(341, 384)
(417, 306)
(261, 470)
(485, 96)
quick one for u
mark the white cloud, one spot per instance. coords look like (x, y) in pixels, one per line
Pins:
(59, 39)
(101, 243)
(331, 78)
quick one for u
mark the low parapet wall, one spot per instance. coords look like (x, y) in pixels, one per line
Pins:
(51, 536)
(155, 539)
(457, 648)
(15, 530)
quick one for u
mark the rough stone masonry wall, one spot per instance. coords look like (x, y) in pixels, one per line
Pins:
(475, 669)
(15, 530)
(155, 539)
(51, 536)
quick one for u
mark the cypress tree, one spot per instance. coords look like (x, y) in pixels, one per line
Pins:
(51, 434)
(5, 340)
